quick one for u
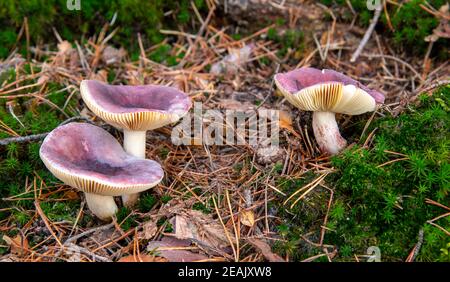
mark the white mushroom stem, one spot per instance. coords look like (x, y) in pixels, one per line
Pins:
(103, 207)
(327, 133)
(134, 144)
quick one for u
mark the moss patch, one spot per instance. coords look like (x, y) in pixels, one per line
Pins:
(382, 204)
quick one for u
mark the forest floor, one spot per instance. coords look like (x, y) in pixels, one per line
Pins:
(387, 190)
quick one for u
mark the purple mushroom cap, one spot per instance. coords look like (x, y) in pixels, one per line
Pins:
(89, 158)
(299, 79)
(127, 98)
(141, 107)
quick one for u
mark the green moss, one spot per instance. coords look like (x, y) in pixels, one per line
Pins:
(20, 162)
(379, 204)
(386, 205)
(59, 211)
(166, 198)
(164, 54)
(126, 219)
(168, 228)
(201, 207)
(146, 202)
(236, 36)
(290, 39)
(411, 24)
(133, 16)
(21, 217)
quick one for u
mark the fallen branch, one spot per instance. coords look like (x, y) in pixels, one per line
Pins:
(88, 232)
(412, 256)
(367, 35)
(265, 250)
(37, 137)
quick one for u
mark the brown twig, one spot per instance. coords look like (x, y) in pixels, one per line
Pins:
(367, 35)
(38, 137)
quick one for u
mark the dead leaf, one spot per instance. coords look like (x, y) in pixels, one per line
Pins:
(443, 29)
(149, 230)
(71, 195)
(197, 226)
(175, 250)
(64, 47)
(101, 75)
(247, 218)
(111, 55)
(269, 154)
(265, 250)
(231, 63)
(142, 258)
(285, 121)
(231, 104)
(362, 68)
(19, 245)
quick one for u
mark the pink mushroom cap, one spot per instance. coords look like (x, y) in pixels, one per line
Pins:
(302, 78)
(140, 107)
(89, 158)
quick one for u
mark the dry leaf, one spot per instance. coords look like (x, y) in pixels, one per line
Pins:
(231, 104)
(19, 245)
(197, 226)
(247, 218)
(101, 75)
(443, 29)
(268, 155)
(71, 195)
(231, 63)
(285, 120)
(286, 123)
(149, 230)
(142, 258)
(111, 55)
(64, 47)
(174, 250)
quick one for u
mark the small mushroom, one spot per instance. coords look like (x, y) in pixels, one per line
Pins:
(135, 109)
(327, 92)
(90, 159)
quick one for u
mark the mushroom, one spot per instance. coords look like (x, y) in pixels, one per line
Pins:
(90, 159)
(135, 109)
(327, 92)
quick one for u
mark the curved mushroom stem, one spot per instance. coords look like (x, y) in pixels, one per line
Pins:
(134, 144)
(327, 133)
(103, 207)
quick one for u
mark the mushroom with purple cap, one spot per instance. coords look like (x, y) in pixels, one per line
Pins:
(90, 159)
(327, 92)
(135, 109)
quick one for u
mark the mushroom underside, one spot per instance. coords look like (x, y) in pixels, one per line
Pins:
(326, 92)
(302, 78)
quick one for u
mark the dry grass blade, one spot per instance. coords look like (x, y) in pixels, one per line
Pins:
(309, 187)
